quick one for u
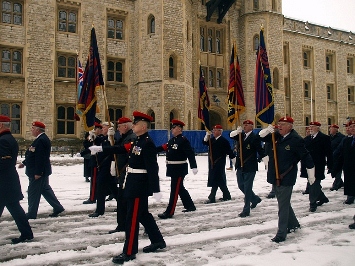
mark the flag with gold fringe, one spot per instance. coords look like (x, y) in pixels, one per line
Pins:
(203, 103)
(236, 103)
(264, 100)
(92, 80)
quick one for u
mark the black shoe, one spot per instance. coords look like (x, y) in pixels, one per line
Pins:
(87, 179)
(210, 201)
(270, 196)
(312, 208)
(305, 192)
(191, 209)
(21, 239)
(254, 204)
(111, 197)
(224, 199)
(120, 259)
(321, 202)
(89, 201)
(293, 229)
(154, 246)
(278, 239)
(117, 229)
(55, 213)
(243, 214)
(352, 226)
(164, 215)
(95, 214)
(337, 184)
(349, 201)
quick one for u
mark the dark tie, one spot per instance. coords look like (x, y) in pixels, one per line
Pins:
(353, 142)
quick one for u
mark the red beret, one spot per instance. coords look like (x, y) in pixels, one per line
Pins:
(123, 120)
(315, 124)
(97, 125)
(38, 124)
(351, 122)
(177, 122)
(334, 125)
(217, 127)
(138, 116)
(4, 118)
(248, 122)
(287, 119)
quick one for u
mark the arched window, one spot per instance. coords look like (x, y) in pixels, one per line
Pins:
(115, 113)
(65, 120)
(256, 4)
(115, 70)
(273, 7)
(275, 77)
(151, 24)
(210, 41)
(219, 78)
(152, 114)
(172, 67)
(12, 110)
(210, 78)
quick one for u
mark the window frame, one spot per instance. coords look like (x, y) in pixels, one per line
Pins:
(115, 29)
(115, 113)
(65, 120)
(115, 71)
(331, 94)
(350, 65)
(67, 67)
(14, 119)
(329, 62)
(12, 13)
(151, 24)
(68, 10)
(306, 56)
(11, 61)
(351, 94)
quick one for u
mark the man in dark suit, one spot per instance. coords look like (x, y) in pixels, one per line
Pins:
(318, 145)
(38, 170)
(251, 150)
(10, 187)
(141, 181)
(335, 138)
(219, 149)
(344, 160)
(290, 150)
(178, 150)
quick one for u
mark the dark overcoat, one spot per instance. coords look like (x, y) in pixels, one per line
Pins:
(219, 149)
(10, 187)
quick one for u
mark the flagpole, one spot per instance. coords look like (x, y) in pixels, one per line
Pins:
(236, 106)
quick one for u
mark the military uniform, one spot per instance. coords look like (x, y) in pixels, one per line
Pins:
(10, 187)
(335, 140)
(178, 150)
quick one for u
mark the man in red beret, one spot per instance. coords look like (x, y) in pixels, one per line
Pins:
(319, 146)
(141, 181)
(124, 126)
(344, 160)
(178, 150)
(290, 149)
(38, 170)
(335, 138)
(219, 148)
(10, 186)
(251, 150)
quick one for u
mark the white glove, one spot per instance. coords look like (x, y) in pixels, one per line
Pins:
(92, 135)
(265, 160)
(113, 168)
(236, 132)
(206, 136)
(311, 176)
(157, 196)
(195, 171)
(95, 149)
(266, 131)
(111, 131)
(234, 160)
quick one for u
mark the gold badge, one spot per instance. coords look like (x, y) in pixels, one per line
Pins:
(175, 146)
(248, 147)
(32, 149)
(288, 148)
(136, 150)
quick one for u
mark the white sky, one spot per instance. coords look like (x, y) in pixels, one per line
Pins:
(337, 14)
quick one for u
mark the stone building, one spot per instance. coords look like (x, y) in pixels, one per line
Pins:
(150, 53)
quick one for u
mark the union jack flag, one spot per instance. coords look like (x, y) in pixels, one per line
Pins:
(80, 84)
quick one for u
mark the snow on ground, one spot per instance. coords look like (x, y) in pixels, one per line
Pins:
(212, 235)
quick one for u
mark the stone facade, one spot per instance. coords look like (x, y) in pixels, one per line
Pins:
(161, 66)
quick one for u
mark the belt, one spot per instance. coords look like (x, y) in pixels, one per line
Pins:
(176, 162)
(136, 171)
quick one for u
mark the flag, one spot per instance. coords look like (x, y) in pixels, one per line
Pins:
(264, 100)
(92, 80)
(236, 103)
(204, 103)
(79, 83)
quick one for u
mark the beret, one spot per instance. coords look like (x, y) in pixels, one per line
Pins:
(334, 125)
(314, 123)
(38, 124)
(217, 127)
(4, 118)
(139, 116)
(177, 122)
(287, 119)
(123, 120)
(248, 122)
(97, 125)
